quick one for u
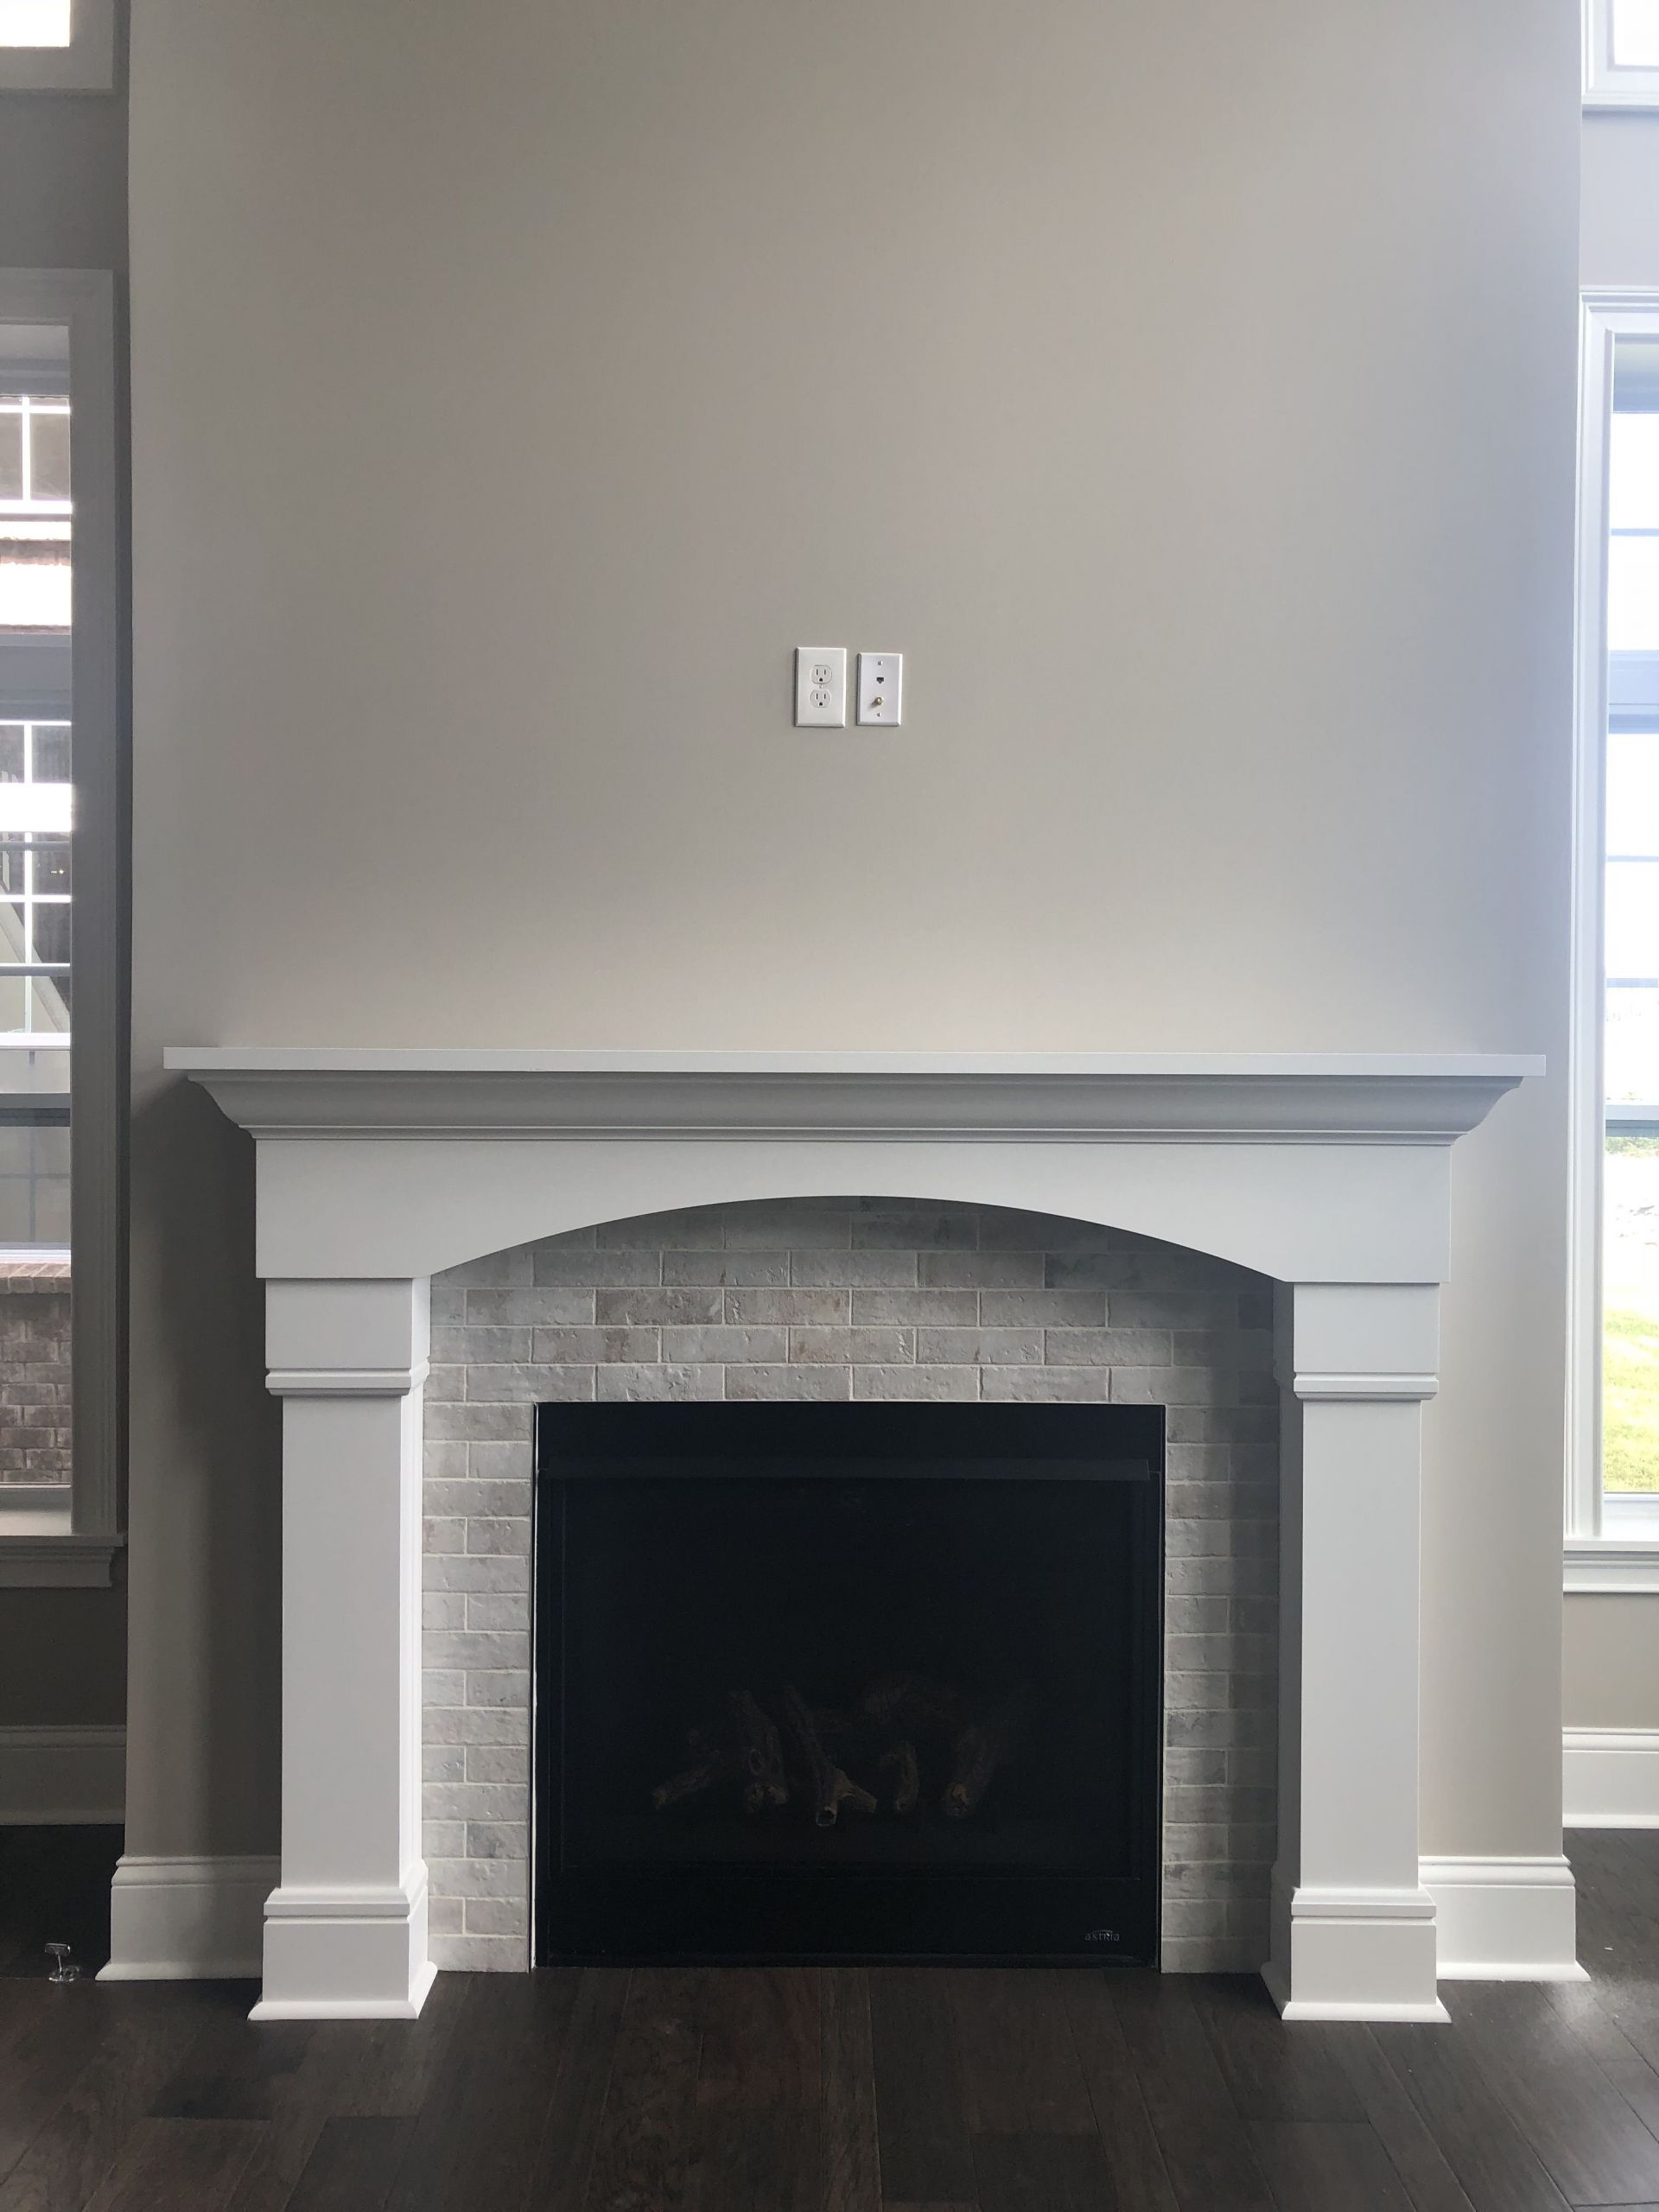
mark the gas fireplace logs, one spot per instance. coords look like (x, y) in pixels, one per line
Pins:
(878, 1756)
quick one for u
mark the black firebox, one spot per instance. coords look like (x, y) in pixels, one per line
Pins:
(847, 1681)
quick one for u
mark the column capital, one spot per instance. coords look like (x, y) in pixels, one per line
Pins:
(1358, 1343)
(345, 1337)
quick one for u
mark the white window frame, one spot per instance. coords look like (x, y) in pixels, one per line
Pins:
(1594, 1560)
(1606, 84)
(85, 65)
(49, 1544)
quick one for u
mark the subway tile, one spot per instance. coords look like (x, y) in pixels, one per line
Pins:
(529, 1308)
(498, 1916)
(574, 1347)
(745, 1269)
(1042, 1309)
(770, 1307)
(982, 1270)
(815, 1267)
(494, 1611)
(548, 1383)
(916, 1308)
(980, 1347)
(450, 1571)
(490, 1461)
(596, 1270)
(925, 1385)
(679, 1302)
(663, 1382)
(1108, 1347)
(441, 1499)
(480, 1724)
(498, 1839)
(452, 1344)
(722, 1345)
(854, 1347)
(795, 1381)
(476, 1647)
(1050, 1385)
(497, 1763)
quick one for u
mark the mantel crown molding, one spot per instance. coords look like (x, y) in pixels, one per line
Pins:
(335, 1092)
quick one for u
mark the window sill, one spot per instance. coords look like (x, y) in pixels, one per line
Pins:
(1625, 1564)
(40, 1551)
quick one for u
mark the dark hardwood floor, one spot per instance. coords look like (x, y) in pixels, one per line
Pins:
(836, 2091)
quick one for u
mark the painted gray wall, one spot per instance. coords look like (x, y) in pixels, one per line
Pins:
(1189, 393)
(63, 204)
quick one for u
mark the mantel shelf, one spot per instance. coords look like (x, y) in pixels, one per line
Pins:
(1312, 1099)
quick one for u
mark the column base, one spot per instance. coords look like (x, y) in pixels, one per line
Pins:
(1354, 1955)
(354, 1953)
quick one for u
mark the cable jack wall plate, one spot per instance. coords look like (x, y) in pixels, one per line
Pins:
(881, 688)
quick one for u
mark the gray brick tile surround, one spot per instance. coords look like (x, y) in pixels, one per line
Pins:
(863, 1298)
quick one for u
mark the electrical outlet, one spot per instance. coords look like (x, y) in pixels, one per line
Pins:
(881, 688)
(820, 687)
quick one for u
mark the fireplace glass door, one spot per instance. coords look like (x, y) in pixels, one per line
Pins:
(847, 1681)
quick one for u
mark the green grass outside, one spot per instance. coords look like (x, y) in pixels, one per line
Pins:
(1630, 1402)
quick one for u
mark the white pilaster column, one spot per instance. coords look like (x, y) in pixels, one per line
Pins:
(1353, 1934)
(346, 1929)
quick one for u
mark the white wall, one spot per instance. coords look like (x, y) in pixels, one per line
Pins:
(1188, 393)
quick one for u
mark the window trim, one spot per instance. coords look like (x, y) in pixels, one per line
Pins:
(1608, 83)
(85, 65)
(1593, 1561)
(81, 1549)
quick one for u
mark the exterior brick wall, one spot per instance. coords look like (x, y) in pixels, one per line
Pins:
(34, 1394)
(863, 1298)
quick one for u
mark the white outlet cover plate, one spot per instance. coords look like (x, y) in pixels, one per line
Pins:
(820, 687)
(882, 689)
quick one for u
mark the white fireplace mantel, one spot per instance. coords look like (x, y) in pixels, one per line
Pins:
(377, 1169)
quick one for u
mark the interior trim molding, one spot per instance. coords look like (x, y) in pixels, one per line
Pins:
(187, 1919)
(1509, 1919)
(63, 1776)
(345, 1381)
(1219, 1098)
(1610, 1777)
(1355, 1389)
(1611, 1566)
(56, 1560)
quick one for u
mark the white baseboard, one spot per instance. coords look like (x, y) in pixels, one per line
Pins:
(188, 1919)
(63, 1777)
(1505, 1919)
(1610, 1777)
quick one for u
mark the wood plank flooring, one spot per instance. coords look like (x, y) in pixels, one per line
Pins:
(841, 2090)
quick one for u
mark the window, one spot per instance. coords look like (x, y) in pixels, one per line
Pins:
(57, 45)
(1621, 53)
(1613, 1393)
(59, 1082)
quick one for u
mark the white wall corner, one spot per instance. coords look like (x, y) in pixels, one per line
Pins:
(63, 1777)
(1610, 1777)
(1505, 1919)
(187, 1919)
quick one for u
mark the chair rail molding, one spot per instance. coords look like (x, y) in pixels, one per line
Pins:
(375, 1169)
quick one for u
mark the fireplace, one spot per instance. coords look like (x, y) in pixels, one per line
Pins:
(378, 1170)
(847, 1681)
